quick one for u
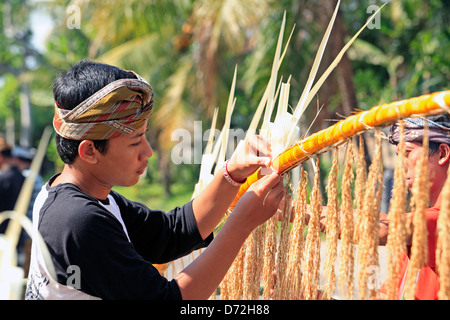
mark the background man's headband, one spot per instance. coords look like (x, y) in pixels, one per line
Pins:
(438, 129)
(119, 108)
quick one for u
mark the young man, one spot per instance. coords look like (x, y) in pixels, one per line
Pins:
(427, 285)
(101, 118)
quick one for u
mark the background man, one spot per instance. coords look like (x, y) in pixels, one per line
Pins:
(427, 285)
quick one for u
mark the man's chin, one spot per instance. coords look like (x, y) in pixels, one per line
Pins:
(129, 183)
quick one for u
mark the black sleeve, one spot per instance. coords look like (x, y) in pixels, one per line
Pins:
(159, 236)
(110, 267)
(80, 232)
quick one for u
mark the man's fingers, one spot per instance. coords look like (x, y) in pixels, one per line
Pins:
(252, 159)
(260, 161)
(271, 181)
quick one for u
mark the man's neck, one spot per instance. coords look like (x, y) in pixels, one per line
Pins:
(436, 202)
(87, 183)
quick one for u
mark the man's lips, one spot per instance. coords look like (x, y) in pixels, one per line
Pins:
(409, 182)
(143, 168)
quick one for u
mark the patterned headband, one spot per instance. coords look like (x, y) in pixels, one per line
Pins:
(438, 129)
(119, 108)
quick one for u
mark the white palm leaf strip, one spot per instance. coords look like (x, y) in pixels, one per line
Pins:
(278, 129)
(302, 106)
(264, 101)
(262, 104)
(226, 126)
(281, 133)
(208, 159)
(209, 145)
(272, 82)
(303, 102)
(284, 129)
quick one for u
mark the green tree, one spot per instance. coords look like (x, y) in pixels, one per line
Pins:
(188, 51)
(18, 59)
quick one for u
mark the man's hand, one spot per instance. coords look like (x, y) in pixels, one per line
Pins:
(261, 200)
(251, 154)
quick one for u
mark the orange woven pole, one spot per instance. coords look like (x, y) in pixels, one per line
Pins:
(378, 116)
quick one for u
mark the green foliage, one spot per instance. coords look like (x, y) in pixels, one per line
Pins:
(188, 51)
(409, 53)
(153, 196)
(65, 47)
(8, 96)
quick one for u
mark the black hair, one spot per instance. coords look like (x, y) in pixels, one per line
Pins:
(6, 152)
(433, 147)
(76, 85)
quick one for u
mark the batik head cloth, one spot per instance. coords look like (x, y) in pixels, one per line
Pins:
(438, 129)
(119, 108)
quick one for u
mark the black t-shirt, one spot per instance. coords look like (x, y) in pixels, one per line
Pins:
(114, 257)
(11, 181)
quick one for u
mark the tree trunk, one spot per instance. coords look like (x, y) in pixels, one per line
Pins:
(10, 131)
(344, 77)
(25, 116)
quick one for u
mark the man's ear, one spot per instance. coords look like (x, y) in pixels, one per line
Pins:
(444, 153)
(87, 151)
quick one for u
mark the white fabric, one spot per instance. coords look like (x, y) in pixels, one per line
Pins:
(40, 284)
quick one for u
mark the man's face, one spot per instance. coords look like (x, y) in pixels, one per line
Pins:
(126, 158)
(412, 154)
